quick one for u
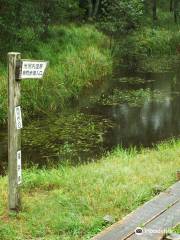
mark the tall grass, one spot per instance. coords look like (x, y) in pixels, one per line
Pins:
(154, 47)
(3, 94)
(77, 56)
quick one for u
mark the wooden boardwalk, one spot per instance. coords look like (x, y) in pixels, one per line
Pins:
(154, 217)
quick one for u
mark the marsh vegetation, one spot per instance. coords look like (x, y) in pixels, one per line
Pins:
(111, 93)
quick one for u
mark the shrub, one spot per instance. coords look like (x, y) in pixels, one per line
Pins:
(121, 17)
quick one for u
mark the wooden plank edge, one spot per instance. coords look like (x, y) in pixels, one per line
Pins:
(120, 222)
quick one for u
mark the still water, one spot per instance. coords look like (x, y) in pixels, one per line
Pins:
(130, 110)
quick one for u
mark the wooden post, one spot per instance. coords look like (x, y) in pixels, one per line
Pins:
(178, 175)
(14, 133)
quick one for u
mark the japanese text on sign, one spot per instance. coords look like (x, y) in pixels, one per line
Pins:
(33, 69)
(19, 170)
(18, 117)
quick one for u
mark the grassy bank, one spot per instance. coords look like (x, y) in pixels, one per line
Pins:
(77, 55)
(154, 47)
(70, 202)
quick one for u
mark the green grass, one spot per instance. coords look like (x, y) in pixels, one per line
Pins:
(150, 49)
(177, 229)
(154, 47)
(78, 56)
(3, 94)
(68, 203)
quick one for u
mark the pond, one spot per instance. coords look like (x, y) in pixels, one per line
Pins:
(126, 109)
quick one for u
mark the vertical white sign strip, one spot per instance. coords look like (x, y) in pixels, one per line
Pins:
(19, 170)
(18, 117)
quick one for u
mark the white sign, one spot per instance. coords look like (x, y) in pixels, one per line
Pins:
(18, 117)
(19, 170)
(33, 69)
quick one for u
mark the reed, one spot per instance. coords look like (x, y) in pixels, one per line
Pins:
(77, 57)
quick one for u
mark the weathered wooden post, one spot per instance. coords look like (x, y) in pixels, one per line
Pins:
(14, 131)
(18, 69)
(178, 175)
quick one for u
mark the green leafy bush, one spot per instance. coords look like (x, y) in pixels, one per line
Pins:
(22, 23)
(148, 43)
(121, 16)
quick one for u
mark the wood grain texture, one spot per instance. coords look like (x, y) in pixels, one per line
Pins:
(14, 135)
(156, 229)
(146, 214)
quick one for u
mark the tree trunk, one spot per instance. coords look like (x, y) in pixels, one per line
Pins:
(90, 9)
(176, 10)
(171, 5)
(154, 10)
(147, 6)
(96, 8)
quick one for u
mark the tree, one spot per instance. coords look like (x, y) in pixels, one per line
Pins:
(121, 16)
(176, 10)
(147, 6)
(56, 12)
(16, 16)
(23, 22)
(171, 5)
(154, 9)
(93, 7)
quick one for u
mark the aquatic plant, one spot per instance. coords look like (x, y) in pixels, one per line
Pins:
(73, 138)
(132, 97)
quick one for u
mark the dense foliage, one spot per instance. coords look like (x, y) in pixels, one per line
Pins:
(139, 32)
(22, 23)
(121, 17)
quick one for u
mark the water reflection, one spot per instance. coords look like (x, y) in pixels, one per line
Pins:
(154, 120)
(133, 125)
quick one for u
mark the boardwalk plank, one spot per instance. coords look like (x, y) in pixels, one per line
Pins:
(149, 211)
(165, 221)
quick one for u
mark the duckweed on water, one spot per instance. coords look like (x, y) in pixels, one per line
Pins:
(134, 80)
(132, 97)
(73, 137)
